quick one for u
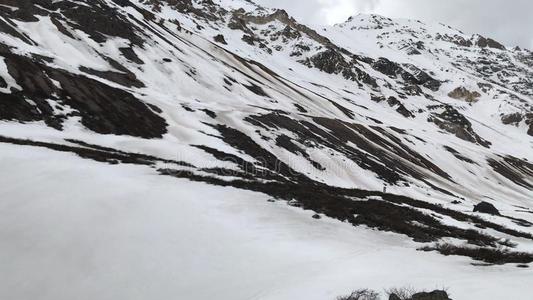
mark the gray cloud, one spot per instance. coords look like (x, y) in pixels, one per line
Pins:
(509, 21)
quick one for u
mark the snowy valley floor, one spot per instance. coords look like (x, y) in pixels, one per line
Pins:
(76, 229)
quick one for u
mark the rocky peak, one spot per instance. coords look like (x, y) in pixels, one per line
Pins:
(367, 21)
(262, 17)
(484, 42)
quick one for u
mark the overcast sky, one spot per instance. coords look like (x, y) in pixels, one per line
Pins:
(508, 21)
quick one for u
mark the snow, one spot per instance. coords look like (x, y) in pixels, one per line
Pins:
(122, 232)
(171, 85)
(76, 229)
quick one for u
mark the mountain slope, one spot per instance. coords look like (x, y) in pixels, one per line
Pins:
(122, 232)
(229, 93)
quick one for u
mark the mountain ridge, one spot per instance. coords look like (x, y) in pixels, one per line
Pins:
(233, 94)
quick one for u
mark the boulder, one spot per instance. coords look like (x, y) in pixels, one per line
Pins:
(394, 297)
(435, 295)
(513, 118)
(220, 39)
(487, 208)
(461, 93)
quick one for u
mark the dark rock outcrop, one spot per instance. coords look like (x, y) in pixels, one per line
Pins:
(394, 297)
(102, 108)
(514, 169)
(454, 122)
(490, 43)
(529, 121)
(333, 62)
(400, 108)
(513, 118)
(424, 79)
(387, 67)
(461, 93)
(486, 208)
(395, 70)
(435, 295)
(455, 39)
(220, 39)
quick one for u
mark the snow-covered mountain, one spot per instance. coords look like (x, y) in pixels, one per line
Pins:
(395, 125)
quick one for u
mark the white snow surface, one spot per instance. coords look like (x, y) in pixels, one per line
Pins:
(85, 230)
(75, 229)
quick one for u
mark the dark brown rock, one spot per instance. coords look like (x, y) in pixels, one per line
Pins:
(435, 295)
(461, 93)
(514, 119)
(102, 108)
(487, 208)
(220, 39)
(452, 121)
(394, 297)
(490, 43)
(386, 67)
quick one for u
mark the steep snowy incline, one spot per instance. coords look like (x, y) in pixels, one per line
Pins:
(232, 94)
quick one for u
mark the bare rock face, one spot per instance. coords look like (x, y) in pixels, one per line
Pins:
(455, 39)
(416, 76)
(514, 118)
(424, 79)
(186, 6)
(461, 93)
(102, 108)
(454, 122)
(387, 67)
(490, 43)
(333, 62)
(400, 108)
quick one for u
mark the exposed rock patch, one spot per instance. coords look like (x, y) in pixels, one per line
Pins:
(487, 208)
(333, 62)
(452, 121)
(461, 93)
(514, 118)
(219, 38)
(102, 108)
(490, 43)
(514, 169)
